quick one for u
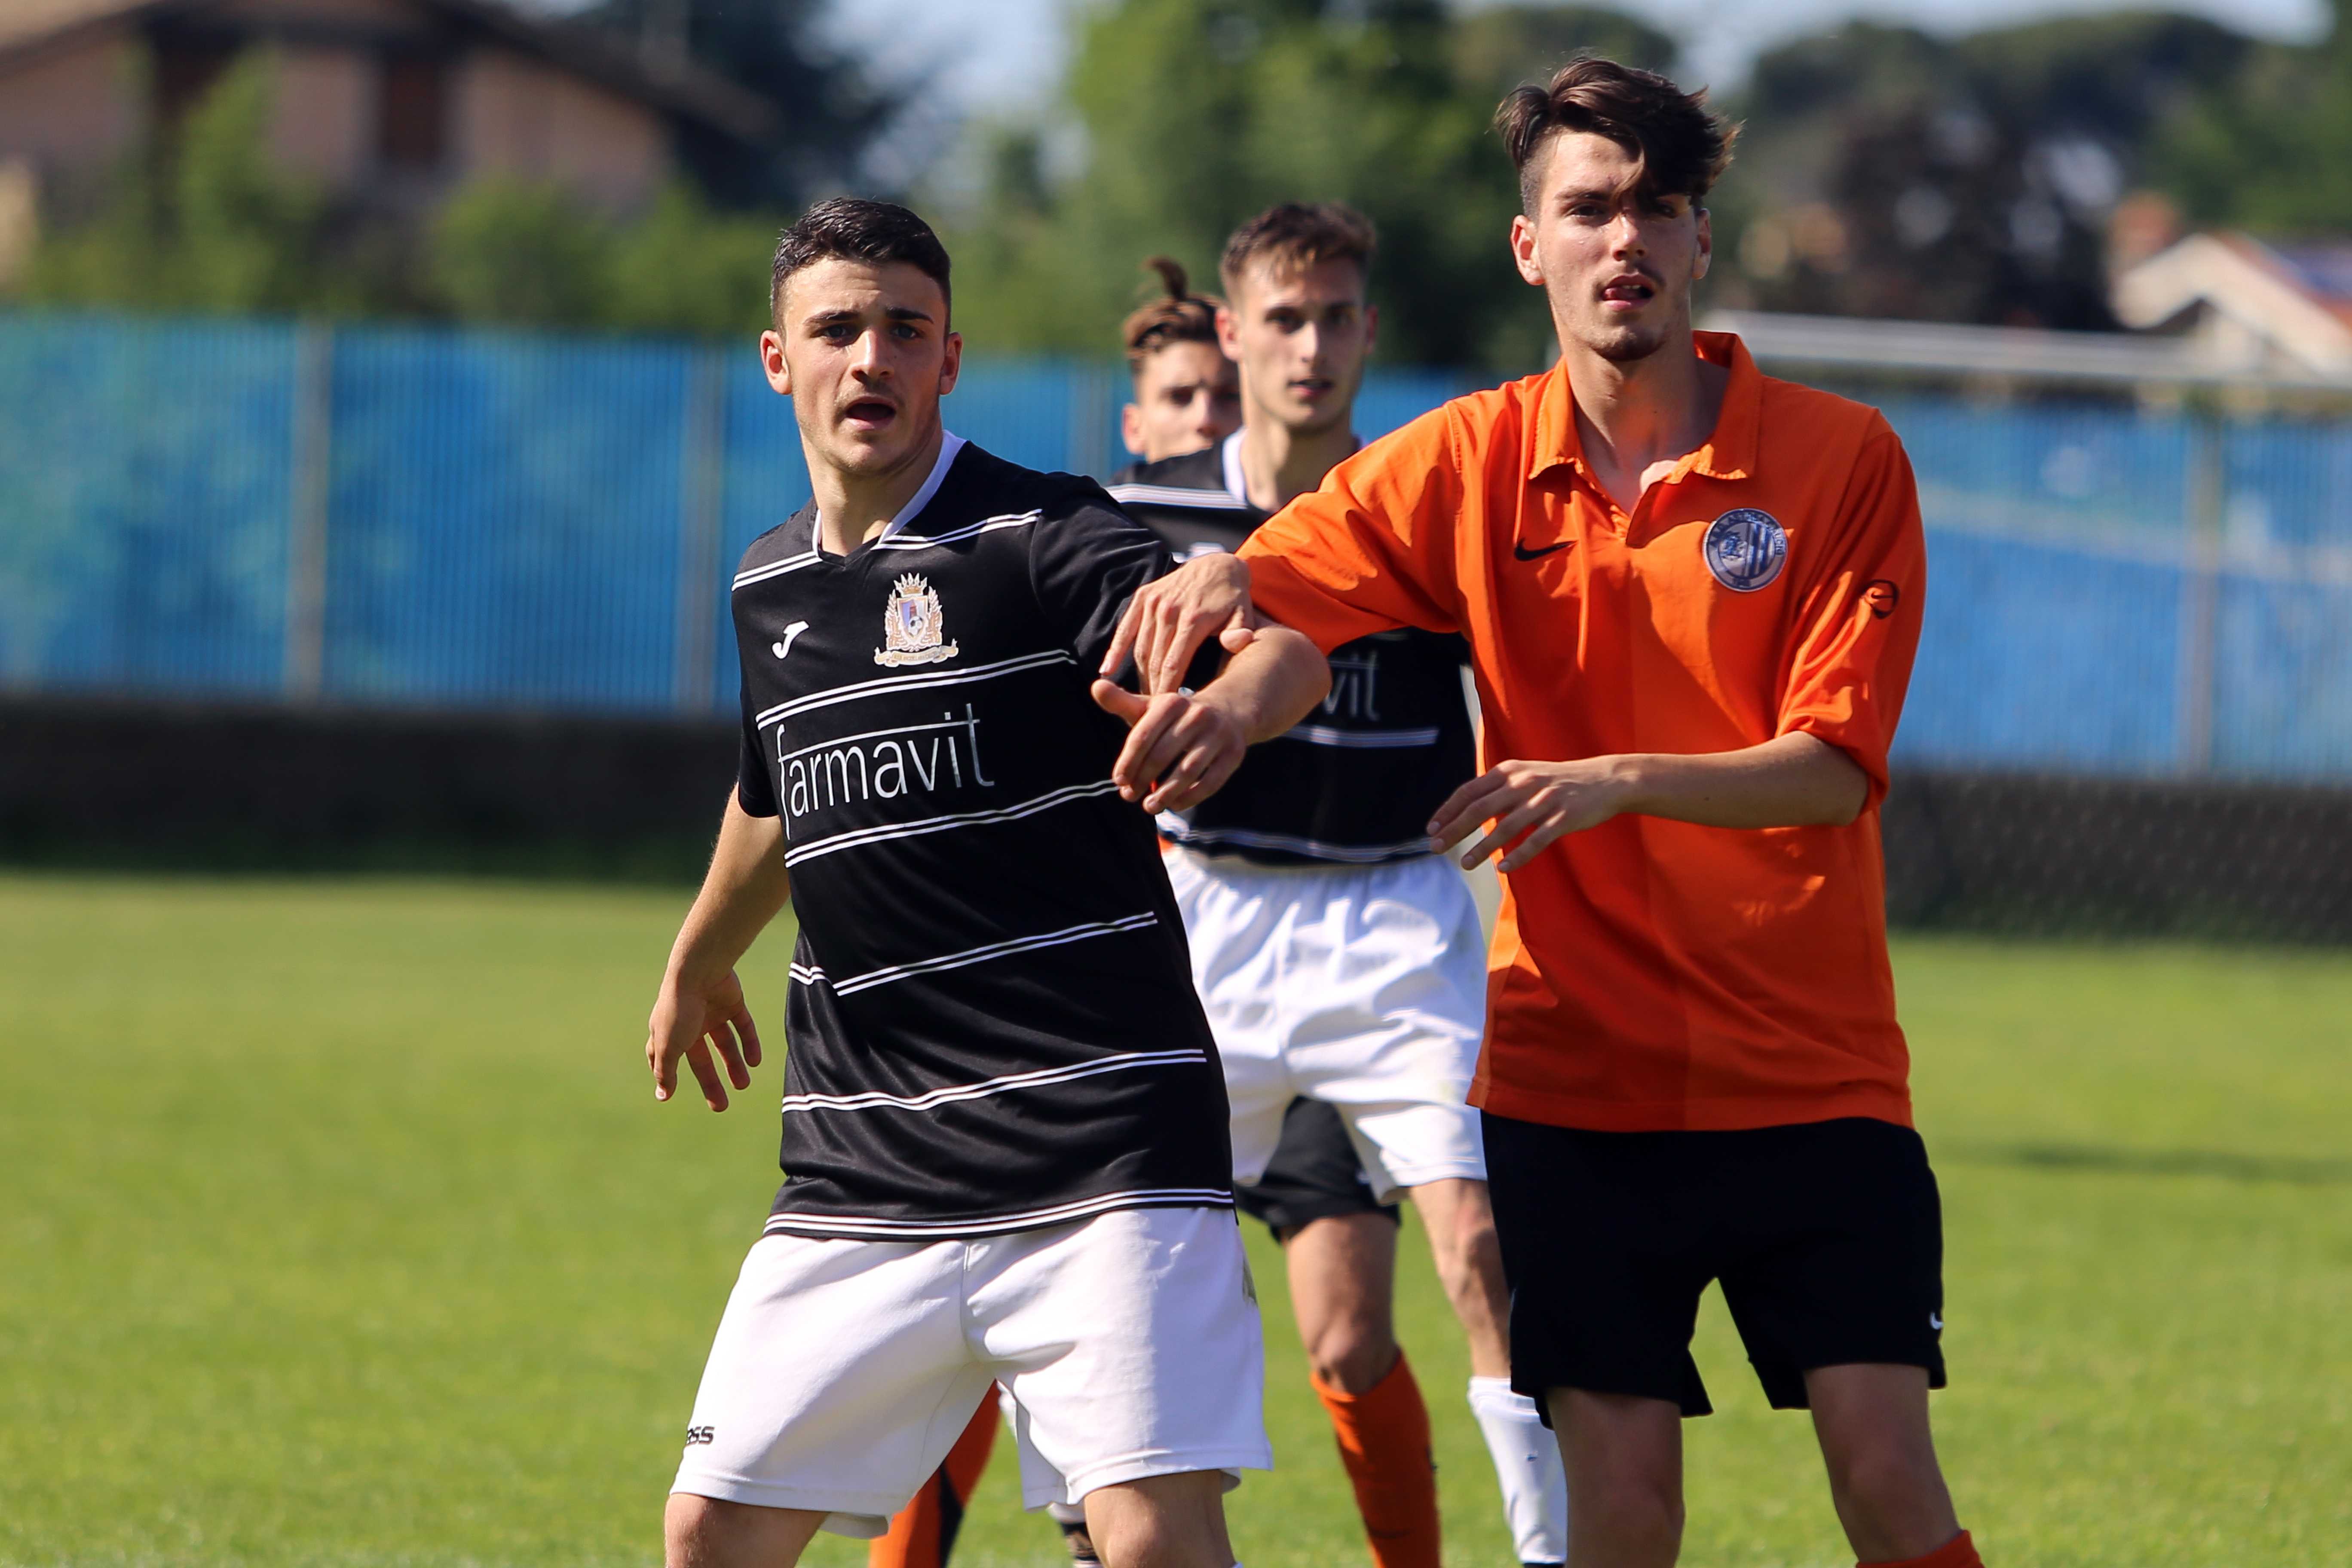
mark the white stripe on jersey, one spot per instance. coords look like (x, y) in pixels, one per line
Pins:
(860, 836)
(777, 568)
(874, 977)
(889, 683)
(985, 525)
(877, 1101)
(1174, 495)
(1177, 828)
(1325, 735)
(1148, 1197)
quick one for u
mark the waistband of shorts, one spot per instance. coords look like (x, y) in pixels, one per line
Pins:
(1240, 868)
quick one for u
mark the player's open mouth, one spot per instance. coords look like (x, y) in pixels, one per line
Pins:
(1629, 291)
(870, 413)
(1312, 387)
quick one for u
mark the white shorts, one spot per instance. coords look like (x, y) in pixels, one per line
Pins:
(1364, 986)
(844, 1370)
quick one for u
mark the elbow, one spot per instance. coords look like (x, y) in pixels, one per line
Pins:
(1313, 674)
(1848, 796)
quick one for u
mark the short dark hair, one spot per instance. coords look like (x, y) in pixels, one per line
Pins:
(1297, 235)
(1681, 148)
(1178, 316)
(852, 229)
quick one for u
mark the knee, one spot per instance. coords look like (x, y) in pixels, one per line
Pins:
(1166, 1522)
(1887, 1485)
(1352, 1356)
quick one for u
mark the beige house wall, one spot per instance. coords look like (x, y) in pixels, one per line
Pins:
(325, 124)
(73, 112)
(521, 120)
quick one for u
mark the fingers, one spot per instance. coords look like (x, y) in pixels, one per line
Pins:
(706, 1073)
(1147, 749)
(1507, 830)
(1481, 800)
(1536, 842)
(722, 1039)
(1235, 639)
(1118, 702)
(664, 1064)
(1199, 774)
(750, 1033)
(1122, 641)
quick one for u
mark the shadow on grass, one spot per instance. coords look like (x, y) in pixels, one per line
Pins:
(2302, 1171)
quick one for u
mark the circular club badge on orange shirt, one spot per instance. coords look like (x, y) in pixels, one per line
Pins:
(1746, 549)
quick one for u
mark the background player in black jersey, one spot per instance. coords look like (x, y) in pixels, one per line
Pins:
(987, 947)
(1340, 961)
(1185, 393)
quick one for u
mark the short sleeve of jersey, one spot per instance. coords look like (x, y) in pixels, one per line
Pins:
(1857, 617)
(1086, 559)
(755, 789)
(1372, 548)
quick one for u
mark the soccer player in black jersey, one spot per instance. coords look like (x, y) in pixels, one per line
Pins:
(1187, 393)
(1003, 1124)
(1341, 962)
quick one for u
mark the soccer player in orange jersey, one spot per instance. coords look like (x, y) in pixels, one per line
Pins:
(1692, 595)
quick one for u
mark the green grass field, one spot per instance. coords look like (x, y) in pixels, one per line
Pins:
(338, 1225)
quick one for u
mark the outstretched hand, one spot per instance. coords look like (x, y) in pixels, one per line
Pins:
(703, 1024)
(1180, 747)
(1532, 805)
(1167, 621)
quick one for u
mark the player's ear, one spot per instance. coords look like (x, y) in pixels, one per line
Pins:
(772, 361)
(1706, 241)
(950, 361)
(1131, 428)
(1523, 249)
(1229, 339)
(1371, 327)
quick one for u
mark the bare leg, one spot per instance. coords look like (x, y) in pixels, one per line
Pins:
(1161, 1521)
(1624, 1459)
(711, 1532)
(1461, 1225)
(1342, 1282)
(1872, 1421)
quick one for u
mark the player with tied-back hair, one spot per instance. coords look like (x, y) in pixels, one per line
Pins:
(1004, 1124)
(1187, 393)
(1692, 596)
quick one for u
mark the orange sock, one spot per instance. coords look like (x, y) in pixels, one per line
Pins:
(1383, 1436)
(925, 1530)
(1957, 1552)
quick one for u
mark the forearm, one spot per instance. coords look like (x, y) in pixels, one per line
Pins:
(1790, 780)
(745, 888)
(1271, 684)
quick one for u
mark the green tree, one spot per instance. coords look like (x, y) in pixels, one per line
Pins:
(2268, 145)
(203, 219)
(1194, 114)
(510, 251)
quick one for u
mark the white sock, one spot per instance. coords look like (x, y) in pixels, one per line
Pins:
(1526, 1463)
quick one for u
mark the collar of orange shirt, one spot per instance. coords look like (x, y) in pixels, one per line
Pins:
(1729, 453)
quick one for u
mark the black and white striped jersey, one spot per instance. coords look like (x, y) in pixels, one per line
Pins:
(991, 1025)
(1355, 783)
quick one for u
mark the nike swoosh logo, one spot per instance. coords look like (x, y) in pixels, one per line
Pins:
(1524, 554)
(791, 632)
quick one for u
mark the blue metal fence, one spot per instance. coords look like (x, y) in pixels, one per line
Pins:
(422, 517)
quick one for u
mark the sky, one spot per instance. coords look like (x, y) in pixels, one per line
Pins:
(998, 57)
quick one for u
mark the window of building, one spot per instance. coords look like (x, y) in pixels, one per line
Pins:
(412, 125)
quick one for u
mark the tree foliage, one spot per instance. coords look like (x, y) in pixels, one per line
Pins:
(1195, 114)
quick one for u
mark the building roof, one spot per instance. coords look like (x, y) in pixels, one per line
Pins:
(2284, 304)
(684, 91)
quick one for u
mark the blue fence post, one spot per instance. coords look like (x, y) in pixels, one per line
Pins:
(306, 521)
(2200, 591)
(701, 511)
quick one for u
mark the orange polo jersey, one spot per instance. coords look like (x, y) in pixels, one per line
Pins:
(1648, 973)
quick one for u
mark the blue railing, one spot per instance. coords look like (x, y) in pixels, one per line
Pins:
(429, 517)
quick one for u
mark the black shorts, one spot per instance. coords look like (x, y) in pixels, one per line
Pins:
(1828, 1238)
(1314, 1174)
